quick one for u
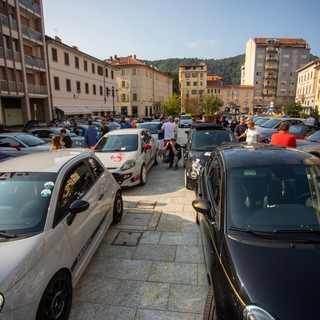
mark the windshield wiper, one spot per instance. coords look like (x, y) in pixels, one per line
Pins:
(4, 234)
(254, 232)
(310, 230)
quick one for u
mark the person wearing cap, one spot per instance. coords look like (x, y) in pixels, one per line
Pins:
(172, 152)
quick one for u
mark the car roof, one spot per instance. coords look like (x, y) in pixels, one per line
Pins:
(126, 131)
(237, 155)
(206, 126)
(14, 134)
(48, 161)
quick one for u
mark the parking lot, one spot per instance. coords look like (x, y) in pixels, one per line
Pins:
(150, 266)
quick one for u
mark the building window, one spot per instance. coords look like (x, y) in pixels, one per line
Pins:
(76, 62)
(111, 74)
(101, 91)
(78, 84)
(134, 110)
(85, 65)
(54, 54)
(94, 89)
(123, 72)
(107, 72)
(195, 83)
(188, 83)
(134, 72)
(193, 92)
(68, 85)
(56, 83)
(123, 84)
(194, 75)
(100, 71)
(135, 97)
(93, 68)
(123, 97)
(87, 87)
(187, 74)
(66, 59)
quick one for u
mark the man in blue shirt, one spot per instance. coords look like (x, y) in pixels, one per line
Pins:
(90, 136)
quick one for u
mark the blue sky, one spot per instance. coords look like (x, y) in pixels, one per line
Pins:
(161, 29)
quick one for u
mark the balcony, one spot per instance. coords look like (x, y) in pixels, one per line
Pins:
(271, 58)
(34, 62)
(271, 67)
(272, 49)
(31, 5)
(268, 94)
(37, 89)
(31, 34)
(269, 85)
(11, 86)
(270, 76)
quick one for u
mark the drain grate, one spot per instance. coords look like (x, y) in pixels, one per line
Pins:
(127, 238)
(145, 204)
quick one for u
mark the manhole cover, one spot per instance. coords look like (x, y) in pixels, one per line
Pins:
(146, 204)
(127, 238)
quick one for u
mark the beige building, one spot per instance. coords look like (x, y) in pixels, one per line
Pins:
(24, 78)
(270, 67)
(142, 89)
(80, 84)
(308, 86)
(193, 84)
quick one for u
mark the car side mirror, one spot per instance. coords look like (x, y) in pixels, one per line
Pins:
(202, 205)
(15, 146)
(76, 207)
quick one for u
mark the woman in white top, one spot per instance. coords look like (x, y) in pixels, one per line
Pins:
(251, 134)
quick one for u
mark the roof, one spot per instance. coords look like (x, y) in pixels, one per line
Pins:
(284, 41)
(48, 161)
(125, 61)
(237, 155)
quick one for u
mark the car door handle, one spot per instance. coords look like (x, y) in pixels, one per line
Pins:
(101, 195)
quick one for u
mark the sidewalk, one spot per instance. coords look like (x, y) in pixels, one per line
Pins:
(150, 265)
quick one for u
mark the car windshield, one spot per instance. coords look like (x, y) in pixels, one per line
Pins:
(298, 130)
(121, 142)
(270, 123)
(206, 140)
(260, 121)
(24, 201)
(152, 127)
(274, 198)
(185, 118)
(315, 137)
(30, 140)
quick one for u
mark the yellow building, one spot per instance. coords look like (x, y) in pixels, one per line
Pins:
(142, 88)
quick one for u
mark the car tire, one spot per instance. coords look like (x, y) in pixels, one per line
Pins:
(117, 208)
(57, 298)
(143, 175)
(210, 311)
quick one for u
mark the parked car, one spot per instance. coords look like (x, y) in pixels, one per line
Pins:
(55, 209)
(202, 139)
(46, 134)
(311, 144)
(128, 154)
(185, 121)
(257, 206)
(4, 156)
(151, 126)
(31, 124)
(19, 143)
(271, 126)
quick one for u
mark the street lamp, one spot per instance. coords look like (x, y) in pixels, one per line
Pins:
(112, 90)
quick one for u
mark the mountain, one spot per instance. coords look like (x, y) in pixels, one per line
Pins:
(228, 68)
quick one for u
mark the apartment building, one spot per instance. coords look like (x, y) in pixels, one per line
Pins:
(270, 67)
(193, 84)
(80, 84)
(308, 86)
(142, 88)
(23, 73)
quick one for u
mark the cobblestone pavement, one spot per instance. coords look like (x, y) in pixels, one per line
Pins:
(150, 265)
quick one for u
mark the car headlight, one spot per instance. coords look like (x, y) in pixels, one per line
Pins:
(1, 301)
(256, 313)
(195, 169)
(127, 165)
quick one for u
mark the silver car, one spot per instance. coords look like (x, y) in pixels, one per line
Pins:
(55, 208)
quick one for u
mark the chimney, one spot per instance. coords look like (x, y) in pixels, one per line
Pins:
(57, 39)
(75, 47)
(115, 56)
(135, 56)
(111, 58)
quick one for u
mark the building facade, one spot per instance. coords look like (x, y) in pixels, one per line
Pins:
(308, 86)
(80, 84)
(142, 89)
(270, 67)
(193, 84)
(24, 80)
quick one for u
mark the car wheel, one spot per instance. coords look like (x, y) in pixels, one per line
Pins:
(210, 311)
(117, 208)
(143, 175)
(57, 298)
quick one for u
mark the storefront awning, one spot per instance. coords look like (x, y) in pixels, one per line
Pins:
(74, 110)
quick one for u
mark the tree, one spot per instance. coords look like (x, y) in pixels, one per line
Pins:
(210, 104)
(192, 105)
(292, 108)
(172, 105)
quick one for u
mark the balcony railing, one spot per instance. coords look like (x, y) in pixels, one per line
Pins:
(11, 86)
(32, 34)
(271, 58)
(31, 5)
(270, 76)
(36, 88)
(34, 62)
(272, 49)
(271, 67)
(269, 85)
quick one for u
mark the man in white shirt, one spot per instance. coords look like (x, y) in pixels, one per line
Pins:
(170, 130)
(310, 121)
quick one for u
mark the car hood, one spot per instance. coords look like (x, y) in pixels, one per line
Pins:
(116, 159)
(203, 156)
(17, 258)
(276, 275)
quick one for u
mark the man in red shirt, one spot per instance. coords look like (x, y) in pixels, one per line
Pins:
(284, 138)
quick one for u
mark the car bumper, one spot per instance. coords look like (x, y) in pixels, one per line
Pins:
(126, 179)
